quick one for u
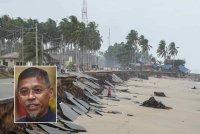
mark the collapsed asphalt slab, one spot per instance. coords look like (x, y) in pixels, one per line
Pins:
(77, 94)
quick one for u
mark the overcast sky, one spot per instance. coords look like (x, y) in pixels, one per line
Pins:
(170, 20)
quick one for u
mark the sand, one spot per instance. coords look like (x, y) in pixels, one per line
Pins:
(183, 118)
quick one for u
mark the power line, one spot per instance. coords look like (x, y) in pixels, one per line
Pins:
(8, 30)
(7, 36)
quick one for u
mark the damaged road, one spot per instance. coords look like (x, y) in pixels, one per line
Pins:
(77, 94)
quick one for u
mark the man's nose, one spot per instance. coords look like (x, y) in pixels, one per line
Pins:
(31, 95)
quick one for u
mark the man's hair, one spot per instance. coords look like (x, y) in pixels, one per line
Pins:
(34, 72)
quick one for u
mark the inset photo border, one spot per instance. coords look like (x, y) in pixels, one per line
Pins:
(35, 94)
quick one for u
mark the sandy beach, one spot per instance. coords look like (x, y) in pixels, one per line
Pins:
(183, 118)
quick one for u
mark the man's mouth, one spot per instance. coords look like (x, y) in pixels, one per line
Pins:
(32, 107)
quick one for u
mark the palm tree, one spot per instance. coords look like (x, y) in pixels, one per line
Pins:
(132, 39)
(94, 37)
(162, 50)
(76, 28)
(64, 27)
(145, 48)
(173, 50)
(144, 44)
(69, 27)
(93, 41)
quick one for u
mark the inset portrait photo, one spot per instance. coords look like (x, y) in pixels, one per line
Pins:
(35, 94)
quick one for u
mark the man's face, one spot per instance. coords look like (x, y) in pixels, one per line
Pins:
(34, 95)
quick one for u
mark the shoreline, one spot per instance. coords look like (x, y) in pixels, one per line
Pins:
(182, 118)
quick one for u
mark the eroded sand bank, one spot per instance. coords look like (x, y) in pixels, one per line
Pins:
(183, 118)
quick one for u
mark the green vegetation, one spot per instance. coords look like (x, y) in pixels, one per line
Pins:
(70, 36)
(136, 50)
(68, 32)
(123, 54)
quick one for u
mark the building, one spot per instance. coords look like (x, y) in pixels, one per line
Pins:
(10, 59)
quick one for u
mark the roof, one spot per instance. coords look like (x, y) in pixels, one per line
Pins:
(184, 69)
(13, 55)
(57, 57)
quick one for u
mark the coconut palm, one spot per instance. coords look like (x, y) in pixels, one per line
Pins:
(132, 39)
(64, 27)
(93, 40)
(162, 50)
(94, 37)
(145, 48)
(144, 44)
(69, 27)
(173, 49)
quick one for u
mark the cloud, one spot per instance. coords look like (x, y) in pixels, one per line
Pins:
(5, 1)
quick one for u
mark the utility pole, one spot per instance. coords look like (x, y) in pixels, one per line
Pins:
(12, 44)
(22, 34)
(36, 41)
(109, 37)
(42, 49)
(62, 45)
(76, 59)
(0, 45)
(61, 54)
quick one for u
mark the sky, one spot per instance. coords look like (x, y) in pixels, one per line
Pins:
(170, 20)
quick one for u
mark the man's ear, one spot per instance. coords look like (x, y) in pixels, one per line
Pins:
(51, 93)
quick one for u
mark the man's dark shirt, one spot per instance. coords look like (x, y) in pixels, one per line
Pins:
(50, 116)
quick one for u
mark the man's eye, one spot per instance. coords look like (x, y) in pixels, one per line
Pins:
(23, 92)
(37, 90)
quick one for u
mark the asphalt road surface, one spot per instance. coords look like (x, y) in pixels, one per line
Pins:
(6, 88)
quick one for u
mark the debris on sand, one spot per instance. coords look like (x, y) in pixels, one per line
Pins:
(130, 115)
(143, 76)
(136, 102)
(159, 75)
(194, 87)
(114, 112)
(126, 98)
(160, 94)
(154, 104)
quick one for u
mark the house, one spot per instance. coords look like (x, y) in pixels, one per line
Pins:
(10, 59)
